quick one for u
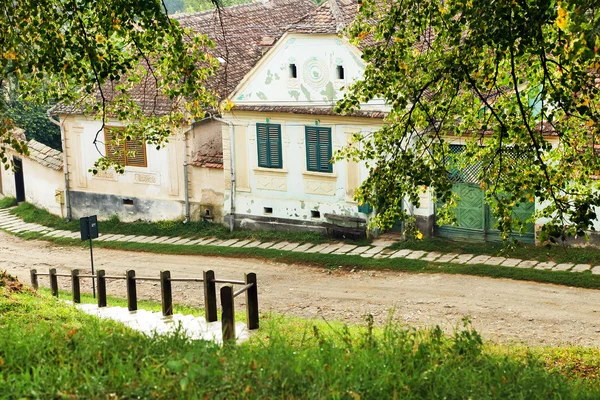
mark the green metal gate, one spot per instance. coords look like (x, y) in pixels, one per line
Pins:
(475, 221)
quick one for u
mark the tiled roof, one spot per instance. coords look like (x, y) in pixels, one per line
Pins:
(44, 155)
(208, 161)
(330, 18)
(242, 34)
(310, 110)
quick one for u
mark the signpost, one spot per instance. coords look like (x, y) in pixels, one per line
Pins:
(88, 227)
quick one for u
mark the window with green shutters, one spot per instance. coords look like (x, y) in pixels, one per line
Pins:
(268, 141)
(318, 149)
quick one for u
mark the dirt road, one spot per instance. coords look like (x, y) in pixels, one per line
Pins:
(502, 310)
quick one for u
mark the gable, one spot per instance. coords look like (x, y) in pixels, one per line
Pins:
(316, 58)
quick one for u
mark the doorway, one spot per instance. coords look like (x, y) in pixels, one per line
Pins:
(19, 181)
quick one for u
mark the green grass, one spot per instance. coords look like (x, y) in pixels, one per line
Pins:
(331, 261)
(556, 253)
(50, 350)
(30, 213)
(7, 202)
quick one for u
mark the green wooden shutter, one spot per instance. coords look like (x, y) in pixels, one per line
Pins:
(262, 143)
(312, 148)
(275, 159)
(268, 142)
(325, 150)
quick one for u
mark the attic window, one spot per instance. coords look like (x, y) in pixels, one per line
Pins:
(293, 71)
(340, 72)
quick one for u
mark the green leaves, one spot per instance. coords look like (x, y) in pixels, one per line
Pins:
(497, 77)
(99, 57)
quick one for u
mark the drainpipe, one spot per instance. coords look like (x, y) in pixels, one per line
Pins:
(232, 166)
(65, 165)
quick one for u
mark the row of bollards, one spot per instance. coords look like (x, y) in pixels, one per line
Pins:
(210, 294)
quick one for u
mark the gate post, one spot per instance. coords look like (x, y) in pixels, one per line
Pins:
(210, 296)
(75, 286)
(251, 302)
(131, 290)
(165, 292)
(228, 314)
(53, 282)
(101, 288)
(34, 278)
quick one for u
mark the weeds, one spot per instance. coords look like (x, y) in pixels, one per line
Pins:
(7, 202)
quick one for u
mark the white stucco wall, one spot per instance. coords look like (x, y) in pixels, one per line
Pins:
(41, 184)
(316, 58)
(157, 190)
(293, 192)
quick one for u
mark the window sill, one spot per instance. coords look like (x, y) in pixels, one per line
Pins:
(332, 175)
(271, 170)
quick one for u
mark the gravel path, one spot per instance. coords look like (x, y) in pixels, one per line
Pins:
(502, 310)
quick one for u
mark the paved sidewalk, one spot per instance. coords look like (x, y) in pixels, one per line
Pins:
(11, 223)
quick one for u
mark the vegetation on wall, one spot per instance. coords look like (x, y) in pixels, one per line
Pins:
(33, 119)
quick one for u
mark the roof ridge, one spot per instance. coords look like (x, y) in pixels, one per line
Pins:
(338, 15)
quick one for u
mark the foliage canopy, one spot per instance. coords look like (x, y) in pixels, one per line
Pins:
(95, 55)
(515, 82)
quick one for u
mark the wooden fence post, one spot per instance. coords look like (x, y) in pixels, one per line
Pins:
(53, 282)
(210, 296)
(251, 302)
(34, 278)
(101, 288)
(228, 314)
(75, 286)
(165, 292)
(131, 290)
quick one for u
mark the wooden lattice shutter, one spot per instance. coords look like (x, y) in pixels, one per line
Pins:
(136, 153)
(312, 148)
(114, 152)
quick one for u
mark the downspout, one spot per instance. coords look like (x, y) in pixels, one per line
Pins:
(65, 165)
(232, 167)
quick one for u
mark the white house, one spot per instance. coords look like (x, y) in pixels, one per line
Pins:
(285, 131)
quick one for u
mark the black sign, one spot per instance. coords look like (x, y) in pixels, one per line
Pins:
(88, 227)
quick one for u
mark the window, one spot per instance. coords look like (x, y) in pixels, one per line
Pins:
(130, 152)
(293, 71)
(268, 141)
(340, 72)
(268, 210)
(318, 149)
(315, 214)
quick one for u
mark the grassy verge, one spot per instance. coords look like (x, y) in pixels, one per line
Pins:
(331, 261)
(558, 254)
(7, 202)
(50, 350)
(30, 213)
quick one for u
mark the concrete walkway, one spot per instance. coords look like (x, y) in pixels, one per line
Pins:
(13, 224)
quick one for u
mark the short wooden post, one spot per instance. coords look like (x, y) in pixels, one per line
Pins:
(34, 278)
(75, 287)
(228, 313)
(101, 288)
(53, 282)
(251, 302)
(210, 296)
(165, 293)
(131, 290)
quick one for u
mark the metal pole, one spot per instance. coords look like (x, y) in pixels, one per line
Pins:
(92, 259)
